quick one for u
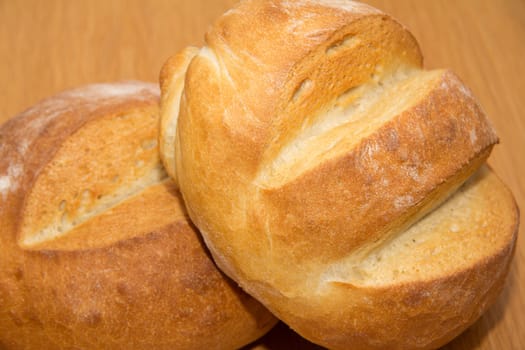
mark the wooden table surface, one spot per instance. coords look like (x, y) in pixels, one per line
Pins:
(49, 46)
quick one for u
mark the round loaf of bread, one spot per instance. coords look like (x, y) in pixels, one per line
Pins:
(326, 171)
(97, 249)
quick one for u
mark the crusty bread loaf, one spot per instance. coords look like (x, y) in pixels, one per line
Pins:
(315, 154)
(97, 249)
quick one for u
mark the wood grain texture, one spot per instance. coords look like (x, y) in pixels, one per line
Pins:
(49, 46)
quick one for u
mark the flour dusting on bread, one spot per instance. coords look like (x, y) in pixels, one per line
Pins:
(344, 5)
(5, 184)
(108, 91)
(9, 182)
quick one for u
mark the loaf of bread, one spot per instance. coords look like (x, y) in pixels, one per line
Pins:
(97, 251)
(334, 178)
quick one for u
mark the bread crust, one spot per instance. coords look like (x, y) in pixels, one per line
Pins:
(124, 279)
(172, 79)
(250, 95)
(424, 312)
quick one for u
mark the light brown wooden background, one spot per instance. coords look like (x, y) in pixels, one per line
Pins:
(48, 46)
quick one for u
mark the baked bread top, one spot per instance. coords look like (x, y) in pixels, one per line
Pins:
(309, 141)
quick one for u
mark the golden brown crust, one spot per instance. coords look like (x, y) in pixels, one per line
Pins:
(308, 145)
(461, 264)
(172, 84)
(124, 278)
(402, 162)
